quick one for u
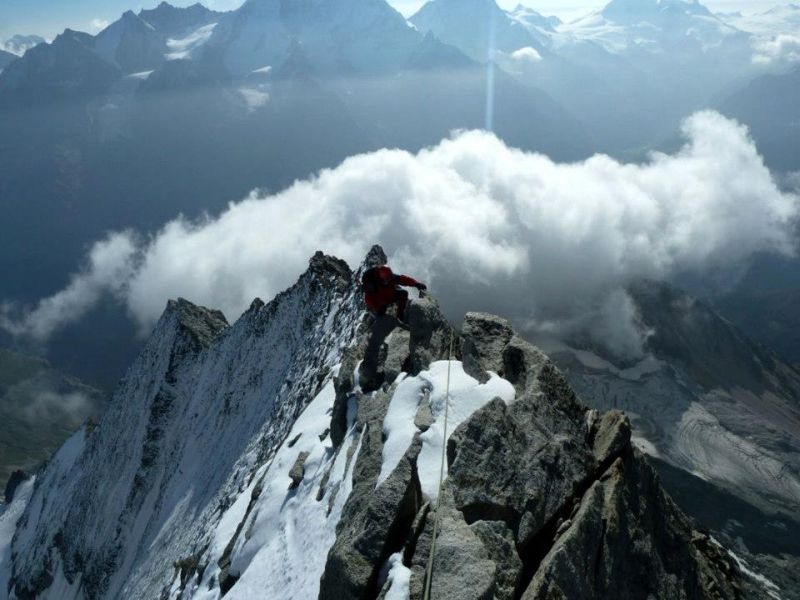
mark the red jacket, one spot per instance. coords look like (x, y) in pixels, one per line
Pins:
(386, 291)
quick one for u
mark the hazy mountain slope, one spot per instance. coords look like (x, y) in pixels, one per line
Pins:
(717, 406)
(770, 106)
(770, 316)
(477, 27)
(717, 391)
(246, 461)
(66, 70)
(39, 409)
(763, 541)
(6, 58)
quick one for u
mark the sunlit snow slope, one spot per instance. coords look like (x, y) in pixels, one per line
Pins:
(196, 421)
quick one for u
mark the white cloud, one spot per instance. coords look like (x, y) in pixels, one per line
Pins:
(550, 245)
(19, 44)
(97, 25)
(781, 48)
(254, 97)
(110, 266)
(72, 408)
(526, 54)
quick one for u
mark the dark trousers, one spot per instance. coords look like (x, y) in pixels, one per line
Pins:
(401, 300)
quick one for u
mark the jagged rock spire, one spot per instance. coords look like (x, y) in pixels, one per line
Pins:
(375, 257)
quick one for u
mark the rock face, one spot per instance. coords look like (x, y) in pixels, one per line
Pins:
(249, 461)
(718, 417)
(544, 499)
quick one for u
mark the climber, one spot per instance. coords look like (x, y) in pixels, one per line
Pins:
(381, 290)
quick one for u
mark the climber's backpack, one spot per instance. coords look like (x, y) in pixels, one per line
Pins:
(375, 278)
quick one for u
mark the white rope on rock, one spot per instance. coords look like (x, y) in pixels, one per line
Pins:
(429, 570)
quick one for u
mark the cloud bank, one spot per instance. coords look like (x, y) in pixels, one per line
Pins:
(551, 245)
(110, 266)
(781, 48)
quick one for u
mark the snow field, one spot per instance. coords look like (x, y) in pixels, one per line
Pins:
(466, 396)
(288, 534)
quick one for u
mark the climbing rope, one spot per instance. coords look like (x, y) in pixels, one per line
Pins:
(429, 571)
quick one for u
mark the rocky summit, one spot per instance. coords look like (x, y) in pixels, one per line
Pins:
(298, 453)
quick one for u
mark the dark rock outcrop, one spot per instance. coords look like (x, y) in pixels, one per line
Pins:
(17, 477)
(431, 334)
(462, 566)
(484, 338)
(628, 540)
(298, 470)
(201, 325)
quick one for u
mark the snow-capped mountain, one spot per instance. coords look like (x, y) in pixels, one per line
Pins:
(711, 382)
(343, 37)
(655, 26)
(480, 28)
(137, 43)
(781, 19)
(630, 71)
(247, 461)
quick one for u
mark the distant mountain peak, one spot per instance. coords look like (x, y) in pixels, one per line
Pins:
(476, 27)
(166, 9)
(71, 36)
(656, 12)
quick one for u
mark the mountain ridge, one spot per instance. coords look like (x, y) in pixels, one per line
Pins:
(222, 436)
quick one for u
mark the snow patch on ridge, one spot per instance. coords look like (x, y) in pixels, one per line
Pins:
(769, 586)
(290, 531)
(466, 396)
(141, 75)
(399, 578)
(183, 47)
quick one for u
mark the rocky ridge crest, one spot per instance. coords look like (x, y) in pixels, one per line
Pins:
(544, 498)
(221, 436)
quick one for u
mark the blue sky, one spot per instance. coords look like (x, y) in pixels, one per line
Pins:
(48, 17)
